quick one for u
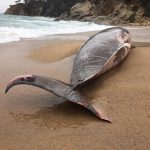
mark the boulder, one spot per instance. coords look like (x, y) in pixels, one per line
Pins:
(80, 11)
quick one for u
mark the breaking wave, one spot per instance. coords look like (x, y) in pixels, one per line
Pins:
(15, 28)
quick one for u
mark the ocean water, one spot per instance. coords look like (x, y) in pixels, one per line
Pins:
(15, 28)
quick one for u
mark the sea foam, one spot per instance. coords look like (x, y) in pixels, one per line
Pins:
(15, 28)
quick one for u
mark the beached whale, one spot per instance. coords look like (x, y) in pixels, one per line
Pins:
(100, 53)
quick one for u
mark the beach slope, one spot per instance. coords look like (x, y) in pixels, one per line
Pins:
(31, 118)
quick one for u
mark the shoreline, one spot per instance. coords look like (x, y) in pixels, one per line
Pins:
(140, 36)
(31, 118)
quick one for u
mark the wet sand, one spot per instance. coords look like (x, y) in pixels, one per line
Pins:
(55, 50)
(31, 118)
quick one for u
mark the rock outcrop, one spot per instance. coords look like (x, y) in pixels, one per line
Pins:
(30, 9)
(133, 12)
(17, 9)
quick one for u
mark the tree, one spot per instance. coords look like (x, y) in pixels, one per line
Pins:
(18, 1)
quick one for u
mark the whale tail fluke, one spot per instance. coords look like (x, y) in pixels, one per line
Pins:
(58, 88)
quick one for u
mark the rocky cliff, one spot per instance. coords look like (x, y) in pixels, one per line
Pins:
(133, 12)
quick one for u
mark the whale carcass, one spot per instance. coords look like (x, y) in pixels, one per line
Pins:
(100, 53)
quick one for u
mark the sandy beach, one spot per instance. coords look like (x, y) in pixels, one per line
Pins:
(31, 118)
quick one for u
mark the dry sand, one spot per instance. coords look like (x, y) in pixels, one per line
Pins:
(31, 118)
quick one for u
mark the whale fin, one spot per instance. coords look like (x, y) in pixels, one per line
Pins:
(58, 88)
